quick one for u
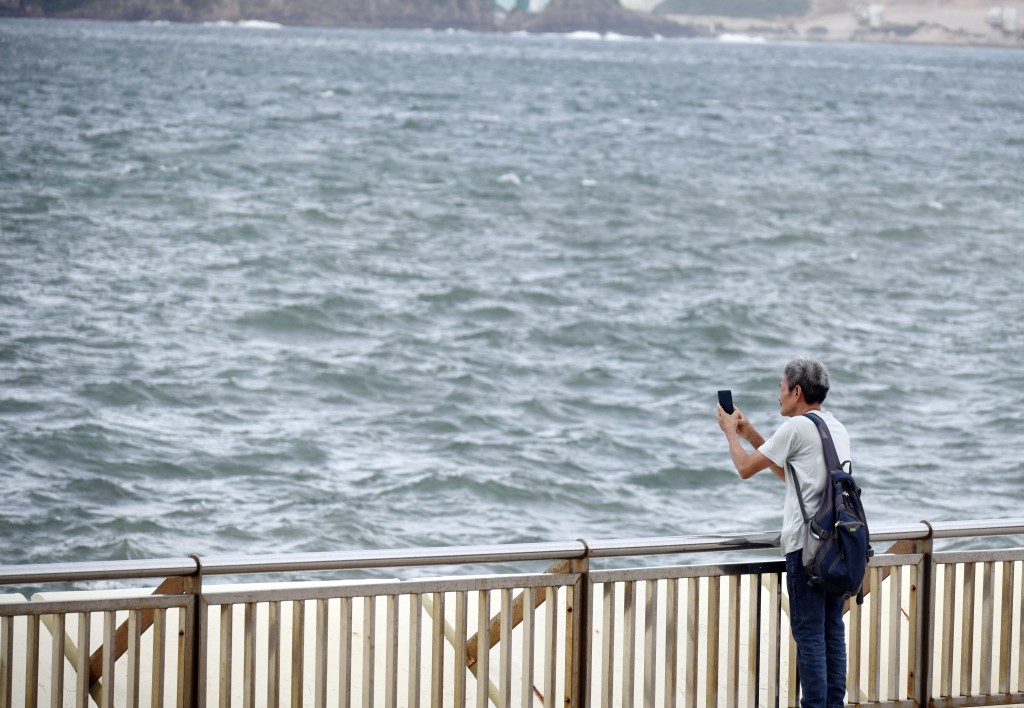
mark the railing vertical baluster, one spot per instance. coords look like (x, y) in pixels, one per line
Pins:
(7, 660)
(875, 637)
(773, 649)
(369, 646)
(391, 653)
(713, 637)
(249, 656)
(967, 635)
(437, 652)
(483, 649)
(949, 591)
(551, 641)
(159, 671)
(57, 661)
(650, 641)
(853, 658)
(628, 641)
(416, 648)
(988, 619)
(895, 636)
(753, 639)
(671, 641)
(732, 652)
(608, 642)
(133, 658)
(461, 633)
(226, 631)
(345, 653)
(32, 661)
(81, 666)
(275, 630)
(793, 689)
(1006, 626)
(323, 621)
(505, 650)
(692, 638)
(109, 629)
(1019, 602)
(528, 646)
(297, 654)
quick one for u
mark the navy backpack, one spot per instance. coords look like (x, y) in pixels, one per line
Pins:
(837, 543)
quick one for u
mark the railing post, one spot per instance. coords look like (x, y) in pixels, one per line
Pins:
(925, 619)
(578, 632)
(195, 651)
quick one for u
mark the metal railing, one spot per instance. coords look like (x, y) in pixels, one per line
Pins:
(936, 628)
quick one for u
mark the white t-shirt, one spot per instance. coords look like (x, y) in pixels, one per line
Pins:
(798, 442)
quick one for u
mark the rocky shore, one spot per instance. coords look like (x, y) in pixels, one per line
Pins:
(973, 22)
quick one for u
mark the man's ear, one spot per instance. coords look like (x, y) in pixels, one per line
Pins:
(798, 392)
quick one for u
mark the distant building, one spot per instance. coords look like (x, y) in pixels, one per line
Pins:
(1003, 18)
(871, 15)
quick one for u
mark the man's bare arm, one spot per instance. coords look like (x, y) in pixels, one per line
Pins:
(735, 427)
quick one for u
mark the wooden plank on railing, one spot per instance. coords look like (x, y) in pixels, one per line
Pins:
(483, 653)
(628, 641)
(650, 641)
(875, 636)
(345, 654)
(82, 663)
(274, 630)
(415, 648)
(774, 647)
(988, 618)
(671, 642)
(713, 637)
(967, 631)
(108, 660)
(461, 631)
(226, 634)
(949, 591)
(733, 612)
(133, 658)
(550, 643)
(369, 648)
(323, 621)
(693, 638)
(57, 647)
(853, 662)
(249, 657)
(1006, 626)
(608, 646)
(298, 643)
(527, 646)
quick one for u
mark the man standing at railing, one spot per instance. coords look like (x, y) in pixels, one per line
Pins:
(795, 449)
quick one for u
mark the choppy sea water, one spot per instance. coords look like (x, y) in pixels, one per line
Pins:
(305, 290)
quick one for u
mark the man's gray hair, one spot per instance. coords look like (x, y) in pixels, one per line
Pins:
(810, 375)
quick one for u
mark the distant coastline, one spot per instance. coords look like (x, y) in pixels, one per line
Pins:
(949, 22)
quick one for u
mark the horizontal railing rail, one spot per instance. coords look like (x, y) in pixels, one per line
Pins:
(572, 635)
(467, 555)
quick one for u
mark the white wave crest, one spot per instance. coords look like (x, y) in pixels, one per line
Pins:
(740, 38)
(246, 24)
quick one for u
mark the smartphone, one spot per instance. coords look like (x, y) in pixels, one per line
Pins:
(725, 400)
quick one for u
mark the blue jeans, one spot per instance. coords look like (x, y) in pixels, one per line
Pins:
(817, 622)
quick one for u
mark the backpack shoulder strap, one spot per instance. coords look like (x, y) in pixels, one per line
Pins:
(829, 447)
(831, 459)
